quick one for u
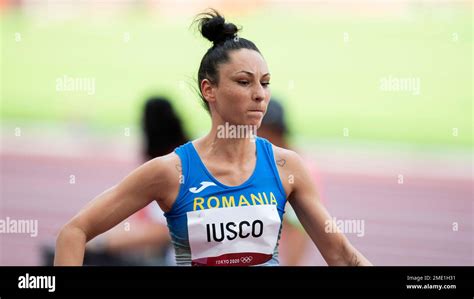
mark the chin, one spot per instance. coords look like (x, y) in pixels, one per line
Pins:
(254, 122)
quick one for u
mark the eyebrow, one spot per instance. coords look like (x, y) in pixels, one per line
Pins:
(252, 74)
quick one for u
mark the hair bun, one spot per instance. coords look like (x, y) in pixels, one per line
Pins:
(213, 27)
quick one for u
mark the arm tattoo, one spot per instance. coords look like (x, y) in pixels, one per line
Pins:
(354, 260)
(281, 162)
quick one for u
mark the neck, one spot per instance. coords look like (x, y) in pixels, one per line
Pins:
(224, 142)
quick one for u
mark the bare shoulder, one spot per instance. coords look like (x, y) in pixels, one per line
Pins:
(165, 173)
(161, 168)
(295, 175)
(289, 165)
(284, 156)
(166, 163)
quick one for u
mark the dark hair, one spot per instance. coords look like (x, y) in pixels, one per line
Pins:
(224, 37)
(275, 117)
(162, 128)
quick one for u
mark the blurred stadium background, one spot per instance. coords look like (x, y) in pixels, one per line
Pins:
(378, 93)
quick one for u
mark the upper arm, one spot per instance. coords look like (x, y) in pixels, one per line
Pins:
(154, 180)
(304, 199)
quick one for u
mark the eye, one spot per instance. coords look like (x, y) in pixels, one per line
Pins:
(243, 82)
(265, 84)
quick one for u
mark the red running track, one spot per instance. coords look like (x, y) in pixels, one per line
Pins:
(405, 224)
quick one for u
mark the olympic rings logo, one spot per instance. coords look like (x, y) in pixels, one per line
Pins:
(246, 259)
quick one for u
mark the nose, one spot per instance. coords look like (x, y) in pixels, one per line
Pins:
(259, 93)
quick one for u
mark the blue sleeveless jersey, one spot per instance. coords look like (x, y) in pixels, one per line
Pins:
(200, 193)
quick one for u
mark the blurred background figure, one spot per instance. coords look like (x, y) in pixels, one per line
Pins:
(162, 128)
(294, 240)
(143, 240)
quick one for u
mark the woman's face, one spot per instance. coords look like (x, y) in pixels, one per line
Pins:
(242, 94)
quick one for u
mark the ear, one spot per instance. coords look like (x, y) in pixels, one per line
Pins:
(208, 90)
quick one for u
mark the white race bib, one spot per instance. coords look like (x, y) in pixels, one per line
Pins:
(233, 236)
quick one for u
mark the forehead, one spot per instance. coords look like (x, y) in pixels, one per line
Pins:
(245, 60)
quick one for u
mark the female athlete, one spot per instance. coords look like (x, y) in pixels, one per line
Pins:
(223, 194)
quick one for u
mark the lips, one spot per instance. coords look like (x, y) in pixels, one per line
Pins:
(258, 113)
